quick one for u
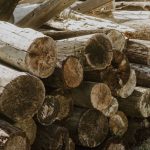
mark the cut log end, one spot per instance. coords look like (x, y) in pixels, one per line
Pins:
(101, 96)
(22, 97)
(144, 105)
(117, 39)
(41, 59)
(48, 112)
(72, 72)
(93, 133)
(118, 123)
(98, 51)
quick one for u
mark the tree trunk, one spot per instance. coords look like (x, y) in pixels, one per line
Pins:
(88, 5)
(119, 77)
(133, 6)
(6, 9)
(43, 13)
(51, 138)
(57, 106)
(118, 123)
(21, 95)
(87, 127)
(29, 127)
(94, 51)
(67, 74)
(136, 105)
(92, 95)
(12, 138)
(142, 74)
(117, 39)
(27, 50)
(138, 51)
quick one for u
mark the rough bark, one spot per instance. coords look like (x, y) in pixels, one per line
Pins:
(31, 1)
(88, 5)
(44, 12)
(67, 74)
(29, 127)
(21, 95)
(137, 104)
(119, 77)
(57, 106)
(12, 138)
(118, 124)
(6, 9)
(144, 146)
(138, 51)
(87, 127)
(94, 51)
(142, 74)
(92, 95)
(132, 6)
(27, 50)
(51, 138)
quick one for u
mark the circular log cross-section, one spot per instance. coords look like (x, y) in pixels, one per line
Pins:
(92, 128)
(118, 123)
(98, 51)
(21, 95)
(72, 72)
(55, 107)
(12, 138)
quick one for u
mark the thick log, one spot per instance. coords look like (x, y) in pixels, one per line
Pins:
(7, 8)
(92, 95)
(112, 108)
(21, 95)
(138, 51)
(72, 20)
(87, 127)
(57, 106)
(12, 138)
(119, 77)
(51, 138)
(94, 51)
(132, 6)
(67, 74)
(88, 5)
(29, 127)
(27, 50)
(137, 104)
(118, 124)
(117, 39)
(43, 13)
(142, 74)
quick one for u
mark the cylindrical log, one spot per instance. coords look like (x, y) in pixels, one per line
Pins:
(51, 138)
(118, 124)
(27, 50)
(112, 108)
(7, 8)
(12, 138)
(87, 127)
(137, 104)
(142, 74)
(29, 127)
(21, 94)
(67, 74)
(138, 51)
(92, 95)
(94, 51)
(119, 77)
(57, 106)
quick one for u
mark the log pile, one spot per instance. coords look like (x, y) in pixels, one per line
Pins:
(72, 80)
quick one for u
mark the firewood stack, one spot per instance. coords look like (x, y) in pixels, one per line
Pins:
(70, 79)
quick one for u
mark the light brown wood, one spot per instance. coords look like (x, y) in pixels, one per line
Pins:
(27, 50)
(21, 94)
(43, 13)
